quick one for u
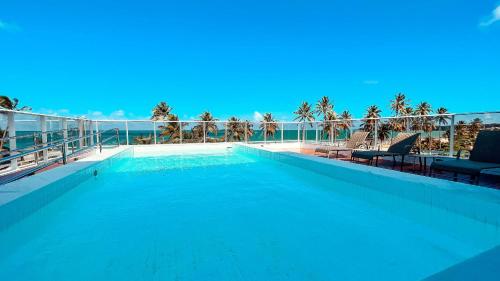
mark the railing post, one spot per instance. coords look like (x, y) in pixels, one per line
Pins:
(85, 141)
(43, 127)
(375, 133)
(303, 131)
(35, 146)
(12, 139)
(330, 137)
(180, 132)
(265, 132)
(99, 139)
(64, 125)
(204, 132)
(91, 133)
(282, 131)
(64, 153)
(126, 131)
(80, 132)
(334, 135)
(452, 136)
(97, 136)
(430, 134)
(316, 127)
(246, 132)
(154, 131)
(50, 131)
(225, 132)
(298, 132)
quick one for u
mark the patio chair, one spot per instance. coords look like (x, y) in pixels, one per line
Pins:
(484, 155)
(401, 146)
(356, 141)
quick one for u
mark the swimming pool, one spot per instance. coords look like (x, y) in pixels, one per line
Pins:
(236, 215)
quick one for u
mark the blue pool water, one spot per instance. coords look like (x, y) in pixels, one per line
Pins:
(233, 216)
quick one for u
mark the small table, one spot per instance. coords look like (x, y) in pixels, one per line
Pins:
(425, 157)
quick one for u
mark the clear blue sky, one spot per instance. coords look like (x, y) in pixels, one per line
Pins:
(119, 58)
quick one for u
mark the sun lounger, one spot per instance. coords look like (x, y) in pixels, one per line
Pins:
(484, 155)
(401, 146)
(356, 141)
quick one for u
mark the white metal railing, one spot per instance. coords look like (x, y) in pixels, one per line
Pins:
(60, 146)
(440, 134)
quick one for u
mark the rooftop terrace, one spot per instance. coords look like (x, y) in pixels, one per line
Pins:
(34, 142)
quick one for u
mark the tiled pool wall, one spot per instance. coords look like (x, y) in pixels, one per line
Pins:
(475, 202)
(179, 149)
(23, 206)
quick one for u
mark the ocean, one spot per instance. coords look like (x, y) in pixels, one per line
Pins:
(27, 139)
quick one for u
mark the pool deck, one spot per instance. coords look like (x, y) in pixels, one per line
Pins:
(16, 189)
(412, 166)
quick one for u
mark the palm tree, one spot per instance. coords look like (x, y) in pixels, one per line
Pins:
(424, 123)
(304, 114)
(428, 126)
(346, 116)
(475, 126)
(10, 104)
(423, 108)
(370, 121)
(461, 136)
(268, 125)
(329, 128)
(442, 119)
(235, 129)
(397, 124)
(372, 113)
(206, 126)
(171, 128)
(407, 111)
(161, 111)
(324, 107)
(346, 123)
(384, 131)
(399, 104)
(248, 127)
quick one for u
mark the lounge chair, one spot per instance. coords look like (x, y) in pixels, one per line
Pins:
(356, 141)
(401, 146)
(484, 155)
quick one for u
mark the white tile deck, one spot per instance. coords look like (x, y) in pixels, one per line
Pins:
(19, 188)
